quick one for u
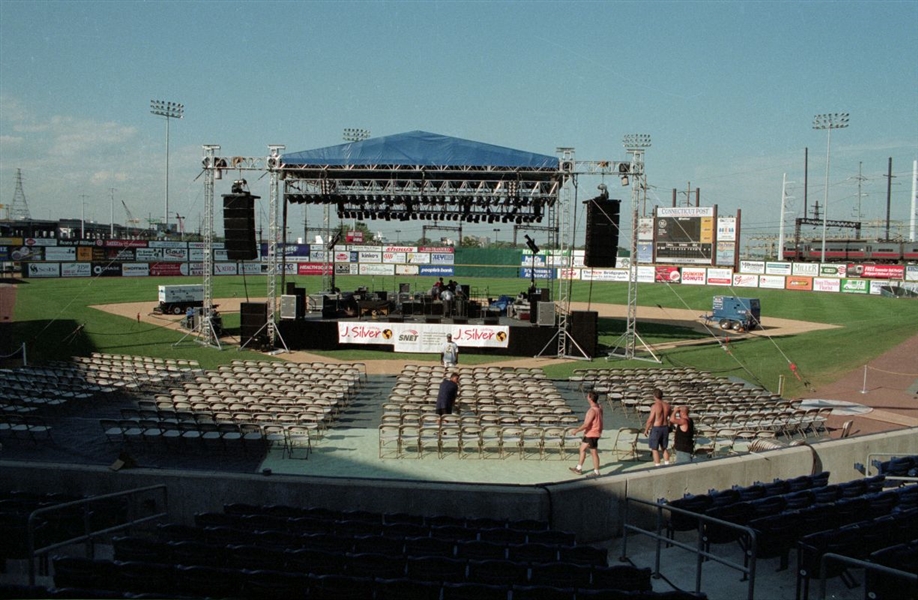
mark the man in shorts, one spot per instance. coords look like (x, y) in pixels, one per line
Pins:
(657, 428)
(592, 430)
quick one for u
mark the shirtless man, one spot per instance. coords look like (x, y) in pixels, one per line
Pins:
(657, 428)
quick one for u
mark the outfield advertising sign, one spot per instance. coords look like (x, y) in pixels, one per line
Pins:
(774, 282)
(855, 286)
(826, 284)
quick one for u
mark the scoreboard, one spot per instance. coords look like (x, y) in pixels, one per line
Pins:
(685, 235)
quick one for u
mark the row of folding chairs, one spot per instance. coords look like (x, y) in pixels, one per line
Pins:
(30, 427)
(225, 434)
(484, 441)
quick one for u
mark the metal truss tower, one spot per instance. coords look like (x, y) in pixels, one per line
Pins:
(634, 145)
(564, 227)
(20, 208)
(214, 166)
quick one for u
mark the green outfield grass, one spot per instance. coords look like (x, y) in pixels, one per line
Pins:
(54, 318)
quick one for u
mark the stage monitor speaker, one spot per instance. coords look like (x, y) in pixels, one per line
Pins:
(534, 299)
(239, 226)
(329, 307)
(584, 329)
(491, 321)
(602, 233)
(546, 312)
(291, 288)
(288, 306)
(253, 319)
(300, 294)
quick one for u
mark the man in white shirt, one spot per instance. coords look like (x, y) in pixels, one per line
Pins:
(449, 353)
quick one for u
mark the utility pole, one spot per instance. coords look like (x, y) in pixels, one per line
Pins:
(860, 180)
(889, 178)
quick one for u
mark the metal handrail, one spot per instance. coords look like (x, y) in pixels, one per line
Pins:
(870, 566)
(88, 534)
(701, 554)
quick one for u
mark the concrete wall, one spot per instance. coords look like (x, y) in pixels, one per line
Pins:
(592, 508)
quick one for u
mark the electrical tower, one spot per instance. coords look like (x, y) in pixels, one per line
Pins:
(20, 208)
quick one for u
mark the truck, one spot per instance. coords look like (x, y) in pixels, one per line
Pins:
(177, 299)
(738, 314)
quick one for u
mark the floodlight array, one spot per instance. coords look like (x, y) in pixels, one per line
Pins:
(475, 201)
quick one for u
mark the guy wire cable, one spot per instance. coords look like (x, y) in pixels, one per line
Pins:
(77, 296)
(722, 345)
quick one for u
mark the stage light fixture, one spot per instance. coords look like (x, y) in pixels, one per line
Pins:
(625, 181)
(531, 245)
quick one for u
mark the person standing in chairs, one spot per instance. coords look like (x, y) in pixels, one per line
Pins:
(657, 428)
(592, 430)
(449, 352)
(446, 395)
(683, 433)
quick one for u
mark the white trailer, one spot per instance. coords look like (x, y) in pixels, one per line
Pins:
(176, 299)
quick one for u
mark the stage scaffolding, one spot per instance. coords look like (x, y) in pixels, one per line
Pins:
(523, 196)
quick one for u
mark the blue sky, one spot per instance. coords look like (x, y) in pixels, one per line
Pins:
(727, 91)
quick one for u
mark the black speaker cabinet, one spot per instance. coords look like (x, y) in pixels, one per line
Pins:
(239, 226)
(584, 329)
(601, 233)
(253, 318)
(534, 299)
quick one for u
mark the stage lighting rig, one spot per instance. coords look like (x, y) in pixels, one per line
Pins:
(531, 245)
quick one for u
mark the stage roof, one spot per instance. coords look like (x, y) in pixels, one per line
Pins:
(420, 149)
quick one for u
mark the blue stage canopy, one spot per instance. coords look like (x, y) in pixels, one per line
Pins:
(420, 148)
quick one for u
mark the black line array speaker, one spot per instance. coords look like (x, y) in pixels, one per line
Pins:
(603, 217)
(239, 226)
(584, 329)
(253, 316)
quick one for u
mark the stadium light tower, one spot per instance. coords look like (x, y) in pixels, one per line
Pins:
(828, 121)
(169, 110)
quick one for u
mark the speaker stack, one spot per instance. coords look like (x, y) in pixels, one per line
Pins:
(253, 318)
(239, 226)
(603, 217)
(584, 329)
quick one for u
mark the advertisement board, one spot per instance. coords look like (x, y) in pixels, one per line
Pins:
(855, 286)
(755, 267)
(436, 271)
(826, 284)
(312, 269)
(410, 270)
(106, 269)
(778, 268)
(135, 270)
(75, 269)
(745, 280)
(694, 276)
(43, 270)
(374, 269)
(426, 338)
(720, 276)
(774, 282)
(667, 274)
(794, 282)
(418, 258)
